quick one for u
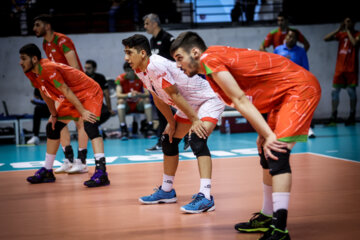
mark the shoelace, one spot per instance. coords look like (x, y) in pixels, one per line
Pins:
(156, 189)
(197, 198)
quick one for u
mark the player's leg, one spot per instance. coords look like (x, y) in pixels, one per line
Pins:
(166, 193)
(209, 112)
(100, 177)
(79, 164)
(147, 127)
(338, 82)
(353, 99)
(45, 174)
(123, 108)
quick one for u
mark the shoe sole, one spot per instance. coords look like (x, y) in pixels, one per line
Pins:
(156, 150)
(198, 211)
(78, 171)
(253, 230)
(171, 200)
(47, 181)
(102, 185)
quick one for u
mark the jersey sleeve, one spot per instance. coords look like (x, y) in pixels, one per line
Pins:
(54, 76)
(212, 63)
(120, 78)
(268, 41)
(66, 44)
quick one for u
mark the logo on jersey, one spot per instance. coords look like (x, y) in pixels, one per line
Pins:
(203, 56)
(62, 41)
(53, 75)
(161, 75)
(53, 50)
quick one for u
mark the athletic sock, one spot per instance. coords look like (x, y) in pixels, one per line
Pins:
(49, 161)
(281, 205)
(100, 162)
(205, 187)
(267, 207)
(167, 183)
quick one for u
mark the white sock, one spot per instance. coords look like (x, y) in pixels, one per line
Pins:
(99, 155)
(205, 187)
(267, 207)
(281, 200)
(167, 183)
(49, 161)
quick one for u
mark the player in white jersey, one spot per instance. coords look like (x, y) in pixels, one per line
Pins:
(198, 110)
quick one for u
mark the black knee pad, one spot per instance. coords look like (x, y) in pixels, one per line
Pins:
(280, 166)
(263, 161)
(199, 146)
(170, 149)
(54, 134)
(92, 129)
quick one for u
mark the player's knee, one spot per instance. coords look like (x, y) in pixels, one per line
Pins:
(168, 148)
(335, 94)
(92, 130)
(280, 166)
(263, 161)
(352, 92)
(199, 146)
(54, 134)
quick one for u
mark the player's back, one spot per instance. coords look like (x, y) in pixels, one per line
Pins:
(195, 89)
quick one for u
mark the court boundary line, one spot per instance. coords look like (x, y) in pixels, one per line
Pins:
(160, 161)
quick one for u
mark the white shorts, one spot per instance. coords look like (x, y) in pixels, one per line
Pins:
(209, 111)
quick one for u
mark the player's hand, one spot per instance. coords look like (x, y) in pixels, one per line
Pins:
(53, 120)
(199, 129)
(88, 116)
(113, 113)
(271, 143)
(170, 130)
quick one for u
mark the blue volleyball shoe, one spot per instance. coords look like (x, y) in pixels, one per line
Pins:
(199, 204)
(159, 196)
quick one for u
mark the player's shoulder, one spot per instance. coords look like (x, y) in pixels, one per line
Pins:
(274, 31)
(61, 39)
(158, 63)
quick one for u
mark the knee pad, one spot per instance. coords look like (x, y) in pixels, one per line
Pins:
(280, 166)
(92, 130)
(170, 149)
(335, 94)
(54, 134)
(352, 93)
(199, 146)
(263, 161)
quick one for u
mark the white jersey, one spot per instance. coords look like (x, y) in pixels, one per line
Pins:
(162, 73)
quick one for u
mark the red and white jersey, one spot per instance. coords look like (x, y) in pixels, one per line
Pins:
(162, 73)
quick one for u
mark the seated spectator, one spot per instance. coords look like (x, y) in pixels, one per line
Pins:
(133, 98)
(90, 70)
(40, 111)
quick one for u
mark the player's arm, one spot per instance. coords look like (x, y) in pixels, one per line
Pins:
(70, 96)
(71, 59)
(262, 47)
(166, 111)
(331, 36)
(184, 106)
(228, 84)
(107, 99)
(306, 44)
(354, 40)
(120, 94)
(50, 103)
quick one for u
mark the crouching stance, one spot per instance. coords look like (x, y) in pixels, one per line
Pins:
(198, 110)
(79, 97)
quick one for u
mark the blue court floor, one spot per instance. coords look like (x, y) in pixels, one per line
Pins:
(340, 141)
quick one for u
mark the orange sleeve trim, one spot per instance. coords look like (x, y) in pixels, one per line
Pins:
(165, 84)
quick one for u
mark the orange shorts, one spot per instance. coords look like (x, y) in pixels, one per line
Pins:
(67, 111)
(345, 79)
(291, 120)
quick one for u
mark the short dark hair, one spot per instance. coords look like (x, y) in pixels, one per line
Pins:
(31, 50)
(188, 40)
(126, 65)
(92, 62)
(284, 15)
(46, 18)
(139, 42)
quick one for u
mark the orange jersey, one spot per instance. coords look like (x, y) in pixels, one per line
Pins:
(56, 49)
(52, 75)
(348, 55)
(277, 37)
(266, 78)
(129, 85)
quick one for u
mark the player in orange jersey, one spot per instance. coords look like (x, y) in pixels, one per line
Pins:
(78, 96)
(257, 82)
(346, 71)
(60, 48)
(277, 36)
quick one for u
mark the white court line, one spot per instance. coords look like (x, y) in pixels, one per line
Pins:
(342, 159)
